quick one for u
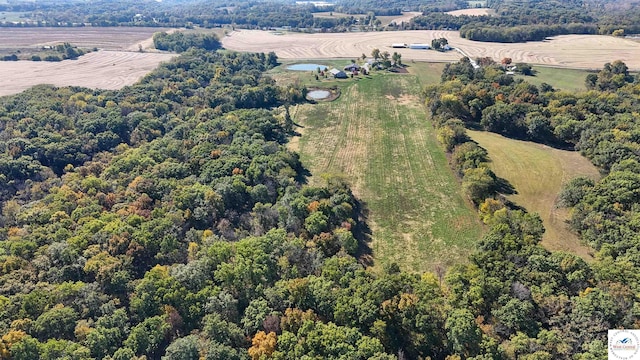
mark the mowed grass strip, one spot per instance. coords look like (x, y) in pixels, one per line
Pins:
(377, 136)
(537, 172)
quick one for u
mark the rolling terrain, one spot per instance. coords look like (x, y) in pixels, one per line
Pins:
(377, 137)
(570, 51)
(538, 172)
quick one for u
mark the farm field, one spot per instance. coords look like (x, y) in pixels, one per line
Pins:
(103, 70)
(385, 20)
(537, 172)
(121, 65)
(571, 51)
(377, 136)
(108, 38)
(406, 17)
(472, 12)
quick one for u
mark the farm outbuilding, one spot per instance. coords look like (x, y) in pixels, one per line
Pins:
(398, 45)
(420, 46)
(338, 74)
(352, 67)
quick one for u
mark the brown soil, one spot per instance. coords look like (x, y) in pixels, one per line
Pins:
(103, 70)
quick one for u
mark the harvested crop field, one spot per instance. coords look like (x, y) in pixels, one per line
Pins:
(108, 38)
(572, 51)
(102, 70)
(122, 65)
(406, 17)
(472, 12)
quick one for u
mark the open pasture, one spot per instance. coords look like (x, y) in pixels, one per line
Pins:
(378, 137)
(103, 70)
(570, 51)
(538, 172)
(559, 78)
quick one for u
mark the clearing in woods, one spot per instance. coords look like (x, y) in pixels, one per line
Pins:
(378, 136)
(537, 172)
(559, 78)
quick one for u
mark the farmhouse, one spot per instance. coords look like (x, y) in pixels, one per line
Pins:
(338, 74)
(352, 67)
(420, 46)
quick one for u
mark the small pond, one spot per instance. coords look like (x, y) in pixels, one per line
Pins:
(318, 94)
(306, 67)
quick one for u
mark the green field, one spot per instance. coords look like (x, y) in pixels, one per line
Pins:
(561, 79)
(378, 137)
(537, 172)
(477, 4)
(334, 14)
(7, 16)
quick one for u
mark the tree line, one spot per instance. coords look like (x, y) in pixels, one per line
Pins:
(600, 124)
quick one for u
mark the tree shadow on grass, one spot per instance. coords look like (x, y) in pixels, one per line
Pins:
(303, 175)
(362, 233)
(503, 186)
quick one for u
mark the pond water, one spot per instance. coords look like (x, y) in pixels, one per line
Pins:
(318, 94)
(306, 67)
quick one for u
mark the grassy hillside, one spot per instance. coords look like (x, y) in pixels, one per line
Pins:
(537, 172)
(562, 79)
(376, 135)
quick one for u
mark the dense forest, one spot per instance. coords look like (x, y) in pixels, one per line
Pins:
(244, 14)
(536, 20)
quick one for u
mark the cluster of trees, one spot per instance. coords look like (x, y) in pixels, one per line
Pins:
(534, 21)
(489, 98)
(523, 33)
(64, 51)
(384, 59)
(180, 42)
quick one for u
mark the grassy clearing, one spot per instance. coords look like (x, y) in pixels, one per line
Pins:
(428, 73)
(307, 78)
(10, 16)
(376, 135)
(538, 172)
(475, 4)
(563, 79)
(333, 14)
